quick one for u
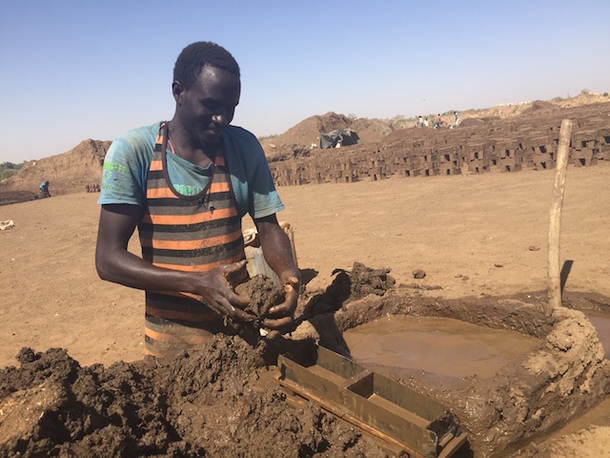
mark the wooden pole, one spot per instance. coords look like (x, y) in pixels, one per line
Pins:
(554, 267)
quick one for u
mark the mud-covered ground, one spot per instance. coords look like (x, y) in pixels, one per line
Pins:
(223, 399)
(210, 402)
(219, 400)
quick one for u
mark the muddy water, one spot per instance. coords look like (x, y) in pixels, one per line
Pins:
(440, 345)
(601, 321)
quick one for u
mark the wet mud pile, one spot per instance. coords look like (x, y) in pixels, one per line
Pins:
(219, 400)
(223, 400)
(209, 402)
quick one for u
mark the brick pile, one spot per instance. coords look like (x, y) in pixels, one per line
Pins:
(496, 145)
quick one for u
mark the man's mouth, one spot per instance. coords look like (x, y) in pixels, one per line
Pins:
(214, 131)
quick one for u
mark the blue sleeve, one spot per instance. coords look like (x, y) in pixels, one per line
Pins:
(251, 178)
(126, 166)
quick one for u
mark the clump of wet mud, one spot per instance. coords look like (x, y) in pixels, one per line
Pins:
(215, 401)
(349, 285)
(262, 295)
(361, 281)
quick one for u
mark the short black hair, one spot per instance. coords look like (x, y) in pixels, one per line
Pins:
(196, 55)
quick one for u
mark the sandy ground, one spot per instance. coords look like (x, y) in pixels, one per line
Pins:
(472, 235)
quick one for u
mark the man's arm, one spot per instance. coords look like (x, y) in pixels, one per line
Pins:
(114, 263)
(278, 254)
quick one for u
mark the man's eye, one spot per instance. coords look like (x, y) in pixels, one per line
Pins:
(211, 105)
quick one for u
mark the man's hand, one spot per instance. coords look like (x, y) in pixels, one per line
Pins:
(217, 293)
(281, 317)
(279, 255)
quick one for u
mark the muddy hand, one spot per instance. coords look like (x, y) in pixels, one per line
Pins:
(280, 318)
(218, 293)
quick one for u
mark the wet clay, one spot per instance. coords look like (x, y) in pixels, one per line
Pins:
(208, 402)
(601, 321)
(444, 346)
(262, 295)
(218, 400)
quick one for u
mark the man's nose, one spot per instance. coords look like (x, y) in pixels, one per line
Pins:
(220, 119)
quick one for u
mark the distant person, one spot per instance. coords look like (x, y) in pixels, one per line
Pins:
(44, 189)
(426, 123)
(457, 118)
(185, 184)
(438, 122)
(420, 122)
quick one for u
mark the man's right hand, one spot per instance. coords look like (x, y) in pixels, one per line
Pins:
(217, 293)
(115, 263)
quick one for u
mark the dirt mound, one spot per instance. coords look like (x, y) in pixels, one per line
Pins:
(538, 105)
(218, 400)
(470, 122)
(67, 173)
(211, 402)
(307, 132)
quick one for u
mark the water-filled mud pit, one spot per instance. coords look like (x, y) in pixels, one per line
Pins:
(444, 346)
(223, 399)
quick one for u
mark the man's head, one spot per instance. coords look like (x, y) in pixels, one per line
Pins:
(195, 56)
(206, 88)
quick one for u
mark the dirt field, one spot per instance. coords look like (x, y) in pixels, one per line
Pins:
(472, 235)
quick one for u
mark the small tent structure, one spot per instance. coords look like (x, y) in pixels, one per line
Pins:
(343, 137)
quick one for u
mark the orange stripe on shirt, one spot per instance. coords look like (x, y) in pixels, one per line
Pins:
(201, 268)
(192, 339)
(165, 192)
(190, 244)
(223, 186)
(203, 217)
(160, 193)
(156, 165)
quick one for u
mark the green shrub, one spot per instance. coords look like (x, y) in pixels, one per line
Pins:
(8, 169)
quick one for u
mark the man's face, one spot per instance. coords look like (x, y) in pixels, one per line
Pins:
(208, 106)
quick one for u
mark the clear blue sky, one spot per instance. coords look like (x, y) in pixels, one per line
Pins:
(77, 69)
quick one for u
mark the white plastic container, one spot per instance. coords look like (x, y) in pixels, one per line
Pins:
(256, 265)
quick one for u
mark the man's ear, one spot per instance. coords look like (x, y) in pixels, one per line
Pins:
(177, 90)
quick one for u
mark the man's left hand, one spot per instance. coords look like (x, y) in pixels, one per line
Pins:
(281, 317)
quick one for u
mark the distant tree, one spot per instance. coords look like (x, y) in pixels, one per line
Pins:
(6, 173)
(397, 122)
(8, 169)
(585, 91)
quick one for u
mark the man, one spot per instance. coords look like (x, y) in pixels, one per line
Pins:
(44, 189)
(186, 184)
